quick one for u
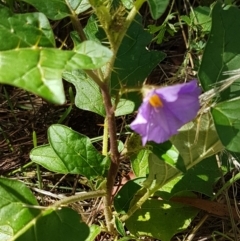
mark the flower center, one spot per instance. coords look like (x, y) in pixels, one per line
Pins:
(155, 101)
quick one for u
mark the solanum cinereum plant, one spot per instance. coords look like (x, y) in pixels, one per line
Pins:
(179, 127)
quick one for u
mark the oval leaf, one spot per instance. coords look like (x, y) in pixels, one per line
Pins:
(76, 152)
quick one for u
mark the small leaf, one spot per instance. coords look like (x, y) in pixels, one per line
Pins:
(157, 7)
(119, 226)
(124, 107)
(94, 231)
(160, 219)
(77, 152)
(201, 17)
(79, 6)
(139, 163)
(186, 19)
(88, 95)
(55, 225)
(226, 117)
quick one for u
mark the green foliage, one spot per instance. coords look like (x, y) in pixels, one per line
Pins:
(161, 30)
(89, 97)
(227, 120)
(59, 223)
(70, 152)
(24, 30)
(106, 61)
(157, 8)
(14, 215)
(134, 62)
(45, 66)
(152, 219)
(222, 50)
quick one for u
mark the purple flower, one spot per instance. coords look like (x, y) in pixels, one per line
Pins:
(165, 110)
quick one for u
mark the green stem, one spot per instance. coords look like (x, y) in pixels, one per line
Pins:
(112, 173)
(105, 138)
(115, 161)
(39, 177)
(78, 27)
(79, 197)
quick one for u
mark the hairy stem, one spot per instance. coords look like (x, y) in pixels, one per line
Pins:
(115, 43)
(79, 197)
(112, 173)
(78, 27)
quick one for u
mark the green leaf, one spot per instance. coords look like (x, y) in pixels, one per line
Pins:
(222, 52)
(6, 232)
(226, 117)
(92, 29)
(202, 177)
(124, 107)
(159, 171)
(76, 152)
(125, 195)
(168, 153)
(58, 9)
(78, 6)
(94, 231)
(128, 4)
(119, 226)
(47, 157)
(40, 70)
(200, 141)
(89, 97)
(160, 219)
(139, 162)
(14, 215)
(133, 62)
(186, 19)
(157, 8)
(55, 225)
(202, 18)
(24, 30)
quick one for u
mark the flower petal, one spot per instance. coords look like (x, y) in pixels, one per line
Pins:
(179, 105)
